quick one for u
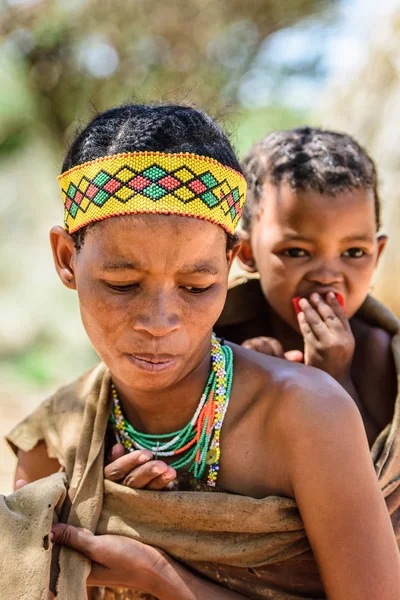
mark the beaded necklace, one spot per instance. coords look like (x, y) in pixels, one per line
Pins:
(198, 443)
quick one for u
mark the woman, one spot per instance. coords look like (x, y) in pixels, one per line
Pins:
(150, 288)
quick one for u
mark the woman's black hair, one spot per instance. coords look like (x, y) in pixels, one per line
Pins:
(163, 128)
(308, 158)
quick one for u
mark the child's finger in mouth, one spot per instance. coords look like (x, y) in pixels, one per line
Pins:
(313, 318)
(325, 310)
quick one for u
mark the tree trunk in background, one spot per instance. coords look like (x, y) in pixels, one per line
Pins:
(368, 107)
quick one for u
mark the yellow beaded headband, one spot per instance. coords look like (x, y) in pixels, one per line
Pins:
(152, 182)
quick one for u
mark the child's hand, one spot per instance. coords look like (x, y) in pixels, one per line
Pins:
(272, 347)
(328, 340)
(139, 470)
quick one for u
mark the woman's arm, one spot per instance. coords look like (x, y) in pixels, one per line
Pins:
(119, 561)
(35, 464)
(338, 494)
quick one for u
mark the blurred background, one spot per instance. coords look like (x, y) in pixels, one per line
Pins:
(256, 66)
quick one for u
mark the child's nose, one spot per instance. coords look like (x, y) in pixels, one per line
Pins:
(325, 274)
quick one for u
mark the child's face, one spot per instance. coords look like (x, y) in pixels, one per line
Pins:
(304, 242)
(150, 289)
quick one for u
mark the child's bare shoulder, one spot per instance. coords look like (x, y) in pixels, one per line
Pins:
(374, 370)
(370, 338)
(373, 347)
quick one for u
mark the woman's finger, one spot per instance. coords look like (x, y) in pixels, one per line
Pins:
(164, 481)
(142, 476)
(117, 451)
(77, 538)
(119, 468)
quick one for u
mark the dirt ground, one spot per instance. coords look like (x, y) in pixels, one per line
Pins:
(12, 410)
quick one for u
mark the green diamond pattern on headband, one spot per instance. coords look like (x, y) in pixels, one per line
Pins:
(209, 180)
(101, 197)
(71, 191)
(209, 199)
(101, 179)
(74, 209)
(154, 182)
(154, 191)
(154, 173)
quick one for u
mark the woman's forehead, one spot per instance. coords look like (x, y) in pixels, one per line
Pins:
(134, 241)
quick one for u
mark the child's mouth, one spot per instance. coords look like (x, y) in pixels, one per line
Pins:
(297, 299)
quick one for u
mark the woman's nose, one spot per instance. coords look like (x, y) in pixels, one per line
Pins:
(158, 316)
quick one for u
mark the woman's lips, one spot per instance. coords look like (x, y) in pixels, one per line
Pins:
(297, 299)
(153, 363)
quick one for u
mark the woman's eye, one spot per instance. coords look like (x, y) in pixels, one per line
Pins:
(354, 253)
(295, 252)
(195, 290)
(123, 288)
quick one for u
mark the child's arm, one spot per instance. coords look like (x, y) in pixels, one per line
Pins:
(272, 347)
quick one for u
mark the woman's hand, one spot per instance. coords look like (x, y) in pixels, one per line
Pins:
(328, 340)
(139, 470)
(118, 561)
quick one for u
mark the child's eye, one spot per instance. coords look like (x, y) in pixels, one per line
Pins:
(354, 253)
(295, 252)
(195, 290)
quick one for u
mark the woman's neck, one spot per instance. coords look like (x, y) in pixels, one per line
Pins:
(168, 410)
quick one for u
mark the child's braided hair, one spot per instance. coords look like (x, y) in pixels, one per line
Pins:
(308, 159)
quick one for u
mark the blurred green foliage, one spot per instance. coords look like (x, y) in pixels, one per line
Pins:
(75, 57)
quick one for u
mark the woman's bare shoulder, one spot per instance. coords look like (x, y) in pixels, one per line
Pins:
(292, 393)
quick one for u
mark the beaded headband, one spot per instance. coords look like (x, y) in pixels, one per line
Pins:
(152, 182)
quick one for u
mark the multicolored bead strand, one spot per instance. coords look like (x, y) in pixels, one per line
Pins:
(198, 443)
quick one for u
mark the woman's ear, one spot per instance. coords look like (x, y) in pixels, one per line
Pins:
(232, 253)
(246, 257)
(382, 241)
(64, 254)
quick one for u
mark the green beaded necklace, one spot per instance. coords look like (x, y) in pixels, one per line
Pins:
(198, 443)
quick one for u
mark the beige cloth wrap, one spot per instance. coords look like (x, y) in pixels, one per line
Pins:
(256, 547)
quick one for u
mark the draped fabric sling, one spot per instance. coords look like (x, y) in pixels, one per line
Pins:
(256, 547)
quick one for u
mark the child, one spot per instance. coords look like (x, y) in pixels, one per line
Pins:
(310, 229)
(152, 196)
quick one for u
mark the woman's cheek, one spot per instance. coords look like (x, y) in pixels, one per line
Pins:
(204, 309)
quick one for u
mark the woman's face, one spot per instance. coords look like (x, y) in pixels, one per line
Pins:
(150, 289)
